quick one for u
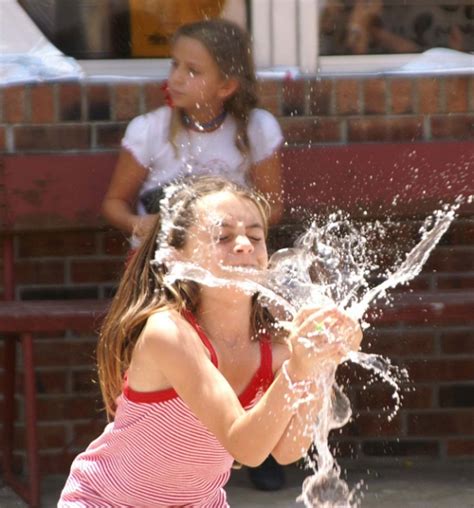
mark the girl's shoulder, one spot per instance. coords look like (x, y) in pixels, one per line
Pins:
(261, 116)
(264, 134)
(146, 132)
(155, 119)
(166, 325)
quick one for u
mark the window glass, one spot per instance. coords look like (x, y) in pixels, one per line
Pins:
(395, 26)
(91, 29)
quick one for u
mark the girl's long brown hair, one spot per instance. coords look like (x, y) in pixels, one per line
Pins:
(142, 290)
(230, 47)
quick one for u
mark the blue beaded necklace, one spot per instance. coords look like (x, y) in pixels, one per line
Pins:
(211, 125)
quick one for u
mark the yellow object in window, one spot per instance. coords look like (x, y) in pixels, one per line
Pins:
(153, 22)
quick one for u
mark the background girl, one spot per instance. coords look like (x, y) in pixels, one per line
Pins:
(196, 377)
(213, 127)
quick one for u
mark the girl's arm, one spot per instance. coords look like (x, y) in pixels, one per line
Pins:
(177, 355)
(266, 177)
(119, 202)
(297, 437)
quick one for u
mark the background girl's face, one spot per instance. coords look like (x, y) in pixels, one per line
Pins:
(195, 80)
(229, 233)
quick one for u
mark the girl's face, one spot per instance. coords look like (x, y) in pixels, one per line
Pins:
(195, 81)
(229, 233)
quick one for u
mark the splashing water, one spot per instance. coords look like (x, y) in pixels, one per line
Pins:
(330, 262)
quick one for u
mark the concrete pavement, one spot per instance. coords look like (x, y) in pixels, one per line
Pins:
(387, 484)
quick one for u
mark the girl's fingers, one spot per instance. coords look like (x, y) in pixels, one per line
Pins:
(310, 318)
(328, 323)
(306, 312)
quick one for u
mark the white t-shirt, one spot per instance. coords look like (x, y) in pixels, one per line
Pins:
(199, 153)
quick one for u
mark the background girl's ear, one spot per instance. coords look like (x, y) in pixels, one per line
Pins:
(228, 88)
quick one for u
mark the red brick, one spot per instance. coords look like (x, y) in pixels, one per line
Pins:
(406, 129)
(374, 93)
(70, 102)
(460, 281)
(96, 271)
(457, 90)
(428, 95)
(401, 344)
(320, 96)
(39, 272)
(154, 96)
(269, 87)
(417, 397)
(115, 244)
(445, 259)
(3, 142)
(14, 104)
(84, 433)
(456, 127)
(271, 103)
(373, 424)
(126, 101)
(52, 137)
(378, 398)
(385, 129)
(457, 342)
(401, 93)
(57, 462)
(110, 135)
(67, 408)
(460, 447)
(401, 448)
(456, 396)
(42, 104)
(98, 102)
(420, 283)
(443, 423)
(368, 129)
(84, 381)
(311, 130)
(269, 94)
(52, 381)
(347, 97)
(442, 370)
(78, 243)
(49, 436)
(344, 448)
(293, 97)
(65, 353)
(460, 232)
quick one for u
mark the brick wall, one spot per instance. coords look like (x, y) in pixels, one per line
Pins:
(437, 417)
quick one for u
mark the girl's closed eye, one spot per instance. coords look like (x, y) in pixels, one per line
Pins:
(193, 72)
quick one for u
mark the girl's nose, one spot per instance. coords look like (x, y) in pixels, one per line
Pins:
(243, 244)
(176, 75)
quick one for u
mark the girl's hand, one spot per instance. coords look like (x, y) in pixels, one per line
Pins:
(319, 336)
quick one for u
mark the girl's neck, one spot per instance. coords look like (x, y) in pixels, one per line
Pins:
(225, 319)
(203, 121)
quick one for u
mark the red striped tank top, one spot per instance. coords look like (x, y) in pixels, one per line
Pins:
(156, 453)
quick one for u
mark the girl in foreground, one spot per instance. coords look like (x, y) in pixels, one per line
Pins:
(195, 377)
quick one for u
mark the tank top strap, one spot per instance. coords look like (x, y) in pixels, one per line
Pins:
(266, 358)
(192, 321)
